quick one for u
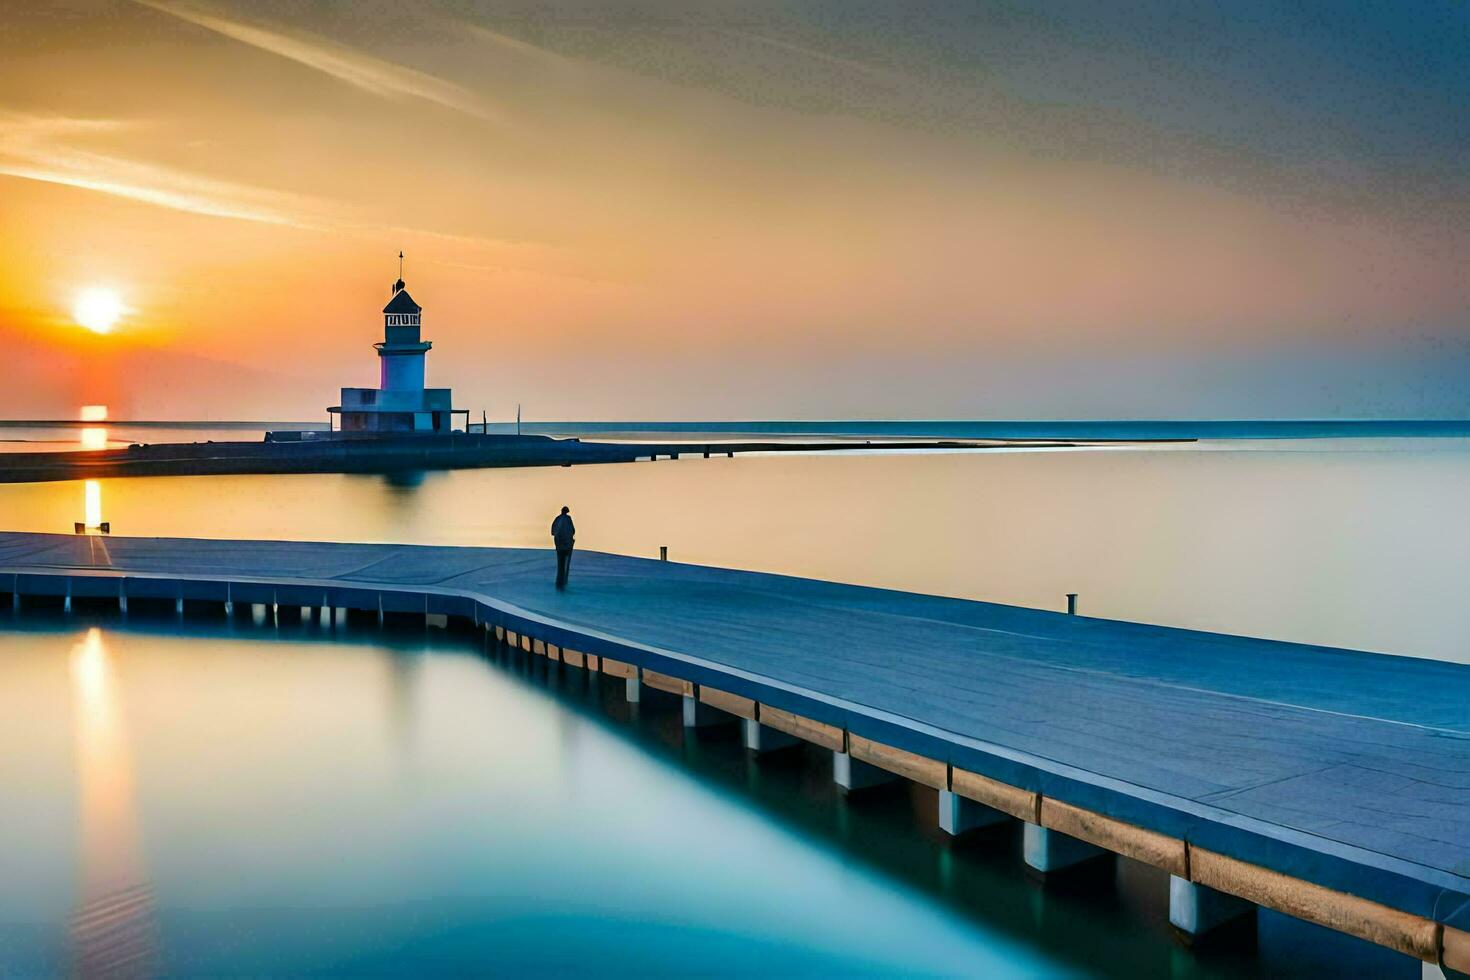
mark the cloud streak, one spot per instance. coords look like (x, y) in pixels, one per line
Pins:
(39, 148)
(362, 71)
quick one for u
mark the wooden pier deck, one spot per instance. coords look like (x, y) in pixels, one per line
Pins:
(1329, 784)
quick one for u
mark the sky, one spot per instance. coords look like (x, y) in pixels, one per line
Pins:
(669, 209)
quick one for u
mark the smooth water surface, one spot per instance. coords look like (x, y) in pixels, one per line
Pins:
(1350, 543)
(211, 797)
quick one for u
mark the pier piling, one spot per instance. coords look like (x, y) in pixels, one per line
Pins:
(1048, 851)
(1196, 909)
(850, 774)
(958, 815)
(762, 738)
(697, 714)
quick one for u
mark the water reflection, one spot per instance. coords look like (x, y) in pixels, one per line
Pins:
(113, 930)
(94, 437)
(92, 504)
(379, 802)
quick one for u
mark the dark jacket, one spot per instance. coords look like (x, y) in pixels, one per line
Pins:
(563, 532)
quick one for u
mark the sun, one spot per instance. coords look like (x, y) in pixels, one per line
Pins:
(98, 309)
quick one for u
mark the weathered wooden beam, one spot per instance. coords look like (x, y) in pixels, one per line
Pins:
(1019, 803)
(617, 668)
(921, 769)
(733, 703)
(1410, 934)
(669, 683)
(1147, 846)
(816, 732)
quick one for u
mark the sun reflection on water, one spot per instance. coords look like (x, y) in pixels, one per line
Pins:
(92, 503)
(113, 929)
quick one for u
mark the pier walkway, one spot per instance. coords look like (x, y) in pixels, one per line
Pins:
(1329, 784)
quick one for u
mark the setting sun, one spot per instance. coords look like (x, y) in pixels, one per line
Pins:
(98, 309)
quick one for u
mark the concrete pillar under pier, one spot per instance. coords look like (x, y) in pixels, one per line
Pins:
(1196, 909)
(958, 815)
(1047, 850)
(761, 738)
(634, 689)
(697, 714)
(851, 774)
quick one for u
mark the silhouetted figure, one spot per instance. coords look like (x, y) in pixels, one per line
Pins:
(564, 533)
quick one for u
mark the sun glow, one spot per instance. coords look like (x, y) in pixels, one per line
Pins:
(92, 504)
(98, 309)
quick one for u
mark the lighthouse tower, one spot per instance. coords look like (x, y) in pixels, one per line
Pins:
(401, 352)
(400, 403)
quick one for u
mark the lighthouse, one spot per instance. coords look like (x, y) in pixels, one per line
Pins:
(400, 403)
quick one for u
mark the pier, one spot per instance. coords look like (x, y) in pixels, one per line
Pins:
(1330, 785)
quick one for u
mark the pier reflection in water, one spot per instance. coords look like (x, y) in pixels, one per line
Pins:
(320, 798)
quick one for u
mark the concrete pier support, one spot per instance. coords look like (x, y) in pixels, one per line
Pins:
(697, 714)
(178, 607)
(1047, 850)
(958, 815)
(851, 774)
(1197, 909)
(633, 690)
(760, 738)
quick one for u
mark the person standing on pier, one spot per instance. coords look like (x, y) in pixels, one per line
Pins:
(564, 533)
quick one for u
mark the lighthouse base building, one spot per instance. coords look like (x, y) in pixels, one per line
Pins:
(400, 404)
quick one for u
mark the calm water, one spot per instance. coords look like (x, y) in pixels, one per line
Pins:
(233, 799)
(226, 798)
(1352, 543)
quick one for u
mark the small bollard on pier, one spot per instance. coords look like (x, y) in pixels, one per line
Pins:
(1071, 603)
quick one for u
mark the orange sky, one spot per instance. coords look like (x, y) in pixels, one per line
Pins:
(729, 214)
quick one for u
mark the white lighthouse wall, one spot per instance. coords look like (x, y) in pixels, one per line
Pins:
(402, 372)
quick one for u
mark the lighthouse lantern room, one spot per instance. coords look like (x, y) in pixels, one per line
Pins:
(400, 403)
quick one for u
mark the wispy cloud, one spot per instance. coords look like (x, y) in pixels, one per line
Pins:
(53, 149)
(43, 148)
(362, 71)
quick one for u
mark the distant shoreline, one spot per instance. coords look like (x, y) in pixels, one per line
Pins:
(412, 453)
